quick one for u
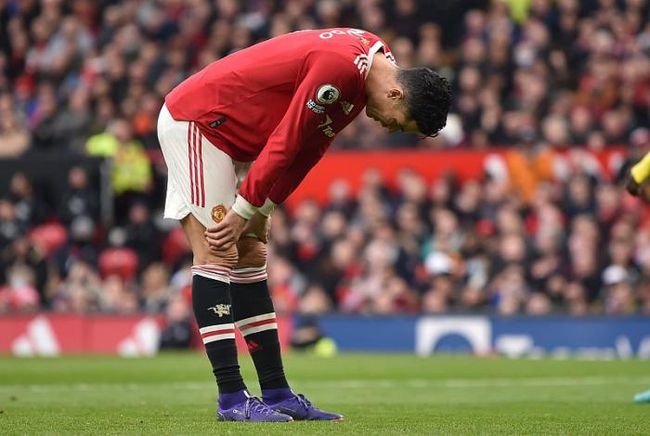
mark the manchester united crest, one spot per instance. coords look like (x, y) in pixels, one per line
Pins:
(220, 309)
(218, 213)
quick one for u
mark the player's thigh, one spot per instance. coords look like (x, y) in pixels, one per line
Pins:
(201, 184)
(201, 179)
(218, 184)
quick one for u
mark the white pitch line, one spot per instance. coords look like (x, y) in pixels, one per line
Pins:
(356, 384)
(482, 383)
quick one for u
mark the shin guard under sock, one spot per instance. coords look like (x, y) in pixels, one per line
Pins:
(255, 317)
(212, 310)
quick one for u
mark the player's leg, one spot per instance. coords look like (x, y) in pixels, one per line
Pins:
(254, 314)
(211, 304)
(201, 182)
(255, 317)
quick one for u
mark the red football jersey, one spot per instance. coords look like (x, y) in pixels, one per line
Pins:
(280, 103)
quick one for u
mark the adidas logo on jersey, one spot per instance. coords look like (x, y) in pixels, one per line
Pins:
(361, 62)
(347, 107)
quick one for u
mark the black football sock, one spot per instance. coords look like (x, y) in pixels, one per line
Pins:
(255, 317)
(212, 310)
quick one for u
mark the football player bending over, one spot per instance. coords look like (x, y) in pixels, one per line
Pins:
(274, 109)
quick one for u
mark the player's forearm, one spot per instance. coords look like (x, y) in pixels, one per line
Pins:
(279, 191)
(255, 190)
(275, 161)
(304, 162)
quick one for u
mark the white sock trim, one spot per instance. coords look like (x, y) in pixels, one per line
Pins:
(260, 328)
(248, 275)
(249, 270)
(214, 338)
(217, 332)
(258, 323)
(244, 322)
(217, 327)
(212, 272)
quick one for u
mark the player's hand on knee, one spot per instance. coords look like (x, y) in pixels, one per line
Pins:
(260, 226)
(226, 233)
(251, 252)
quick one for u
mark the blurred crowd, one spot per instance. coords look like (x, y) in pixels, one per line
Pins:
(565, 72)
(88, 77)
(563, 238)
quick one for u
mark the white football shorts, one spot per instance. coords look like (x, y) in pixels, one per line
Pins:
(201, 179)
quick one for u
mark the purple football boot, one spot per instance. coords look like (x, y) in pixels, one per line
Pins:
(251, 410)
(300, 408)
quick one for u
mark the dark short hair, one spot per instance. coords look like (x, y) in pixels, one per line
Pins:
(427, 96)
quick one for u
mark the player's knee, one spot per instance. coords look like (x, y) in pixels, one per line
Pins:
(252, 253)
(226, 258)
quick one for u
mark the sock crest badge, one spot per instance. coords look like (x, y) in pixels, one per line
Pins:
(220, 309)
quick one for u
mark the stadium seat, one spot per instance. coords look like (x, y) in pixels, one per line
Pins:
(49, 237)
(120, 261)
(174, 247)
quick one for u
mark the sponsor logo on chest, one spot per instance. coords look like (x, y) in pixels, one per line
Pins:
(326, 127)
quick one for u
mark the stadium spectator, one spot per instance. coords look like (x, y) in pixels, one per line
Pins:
(154, 288)
(79, 291)
(14, 137)
(78, 199)
(30, 209)
(80, 246)
(142, 235)
(178, 325)
(117, 296)
(23, 252)
(11, 226)
(315, 301)
(132, 173)
(72, 124)
(24, 270)
(42, 119)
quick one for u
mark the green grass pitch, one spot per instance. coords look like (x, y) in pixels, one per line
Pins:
(378, 394)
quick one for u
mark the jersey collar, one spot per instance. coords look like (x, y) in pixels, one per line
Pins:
(371, 54)
(373, 50)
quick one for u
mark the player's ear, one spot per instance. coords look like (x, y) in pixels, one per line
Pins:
(395, 94)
